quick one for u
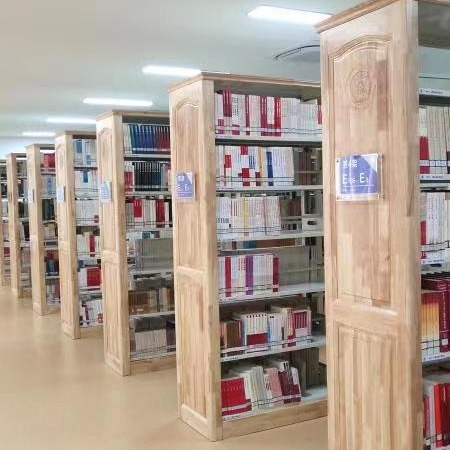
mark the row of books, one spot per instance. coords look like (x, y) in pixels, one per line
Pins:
(436, 406)
(48, 185)
(155, 300)
(50, 231)
(244, 166)
(259, 386)
(248, 216)
(435, 225)
(146, 138)
(5, 229)
(89, 277)
(51, 262)
(23, 188)
(24, 231)
(148, 212)
(84, 152)
(47, 161)
(146, 176)
(48, 209)
(91, 312)
(245, 275)
(88, 244)
(308, 164)
(22, 169)
(87, 212)
(148, 252)
(86, 183)
(434, 130)
(258, 331)
(53, 293)
(4, 190)
(23, 210)
(435, 316)
(154, 336)
(262, 115)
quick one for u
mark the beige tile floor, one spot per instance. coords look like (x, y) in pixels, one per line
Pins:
(57, 394)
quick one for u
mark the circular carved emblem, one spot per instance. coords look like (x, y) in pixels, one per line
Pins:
(360, 87)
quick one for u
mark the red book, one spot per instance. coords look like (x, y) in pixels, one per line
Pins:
(245, 170)
(228, 292)
(137, 208)
(160, 213)
(276, 274)
(257, 339)
(438, 415)
(277, 116)
(424, 155)
(92, 243)
(263, 114)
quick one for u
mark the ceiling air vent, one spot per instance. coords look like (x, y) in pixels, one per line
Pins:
(307, 52)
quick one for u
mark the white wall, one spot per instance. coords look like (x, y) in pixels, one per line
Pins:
(17, 145)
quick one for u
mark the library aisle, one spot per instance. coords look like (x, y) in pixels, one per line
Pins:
(56, 393)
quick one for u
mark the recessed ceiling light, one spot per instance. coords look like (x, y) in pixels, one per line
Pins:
(71, 120)
(38, 133)
(170, 71)
(117, 102)
(287, 15)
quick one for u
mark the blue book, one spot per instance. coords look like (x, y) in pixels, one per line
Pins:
(269, 167)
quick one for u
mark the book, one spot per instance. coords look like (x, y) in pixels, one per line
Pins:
(148, 213)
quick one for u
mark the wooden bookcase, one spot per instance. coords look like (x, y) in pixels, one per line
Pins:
(70, 224)
(370, 87)
(118, 274)
(201, 362)
(20, 267)
(4, 232)
(44, 280)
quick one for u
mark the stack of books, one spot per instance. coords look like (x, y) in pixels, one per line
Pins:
(86, 212)
(89, 277)
(91, 312)
(51, 261)
(141, 213)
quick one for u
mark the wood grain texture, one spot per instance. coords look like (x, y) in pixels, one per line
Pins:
(37, 253)
(195, 257)
(67, 240)
(13, 220)
(113, 245)
(370, 105)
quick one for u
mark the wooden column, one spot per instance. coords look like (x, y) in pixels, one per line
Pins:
(372, 248)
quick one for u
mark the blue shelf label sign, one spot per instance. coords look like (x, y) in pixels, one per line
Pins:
(185, 185)
(104, 193)
(358, 177)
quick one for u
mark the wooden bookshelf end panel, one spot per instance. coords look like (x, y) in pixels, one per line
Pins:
(359, 107)
(369, 93)
(195, 260)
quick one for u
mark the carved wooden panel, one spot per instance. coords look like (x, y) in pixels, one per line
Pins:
(359, 105)
(369, 93)
(365, 395)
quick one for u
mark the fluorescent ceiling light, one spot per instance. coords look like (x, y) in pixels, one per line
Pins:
(287, 15)
(117, 102)
(38, 133)
(71, 120)
(170, 71)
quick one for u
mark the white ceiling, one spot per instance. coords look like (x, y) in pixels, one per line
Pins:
(55, 53)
